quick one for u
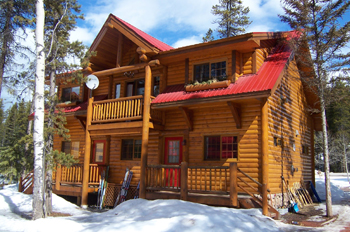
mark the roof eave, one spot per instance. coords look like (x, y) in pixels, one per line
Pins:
(231, 97)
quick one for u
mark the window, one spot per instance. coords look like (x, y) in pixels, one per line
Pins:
(117, 90)
(305, 149)
(131, 149)
(204, 72)
(71, 148)
(156, 81)
(70, 94)
(135, 88)
(99, 147)
(220, 147)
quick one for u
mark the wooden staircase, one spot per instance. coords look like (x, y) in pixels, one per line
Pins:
(26, 184)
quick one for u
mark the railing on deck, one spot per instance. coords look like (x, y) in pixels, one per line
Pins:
(120, 109)
(74, 175)
(26, 183)
(208, 179)
(163, 177)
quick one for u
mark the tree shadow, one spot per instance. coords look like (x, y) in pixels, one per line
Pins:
(14, 208)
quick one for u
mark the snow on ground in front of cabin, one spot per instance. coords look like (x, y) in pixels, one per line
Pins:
(160, 215)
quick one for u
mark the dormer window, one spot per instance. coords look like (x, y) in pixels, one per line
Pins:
(207, 71)
(70, 94)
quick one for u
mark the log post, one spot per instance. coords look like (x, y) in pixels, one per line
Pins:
(312, 147)
(85, 185)
(145, 130)
(184, 180)
(58, 177)
(233, 184)
(265, 206)
(265, 144)
(20, 187)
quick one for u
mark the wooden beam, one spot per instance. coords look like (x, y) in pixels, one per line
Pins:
(110, 126)
(98, 39)
(187, 115)
(145, 130)
(236, 113)
(254, 68)
(233, 66)
(81, 122)
(123, 69)
(187, 63)
(265, 144)
(141, 50)
(119, 51)
(85, 185)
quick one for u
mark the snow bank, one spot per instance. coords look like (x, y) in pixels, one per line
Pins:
(337, 181)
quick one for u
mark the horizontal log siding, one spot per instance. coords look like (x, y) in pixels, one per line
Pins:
(76, 134)
(117, 166)
(176, 73)
(247, 63)
(207, 121)
(102, 87)
(284, 119)
(129, 56)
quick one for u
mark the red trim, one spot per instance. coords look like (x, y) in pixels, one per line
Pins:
(94, 151)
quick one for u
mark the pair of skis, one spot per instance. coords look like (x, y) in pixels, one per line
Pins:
(124, 189)
(102, 189)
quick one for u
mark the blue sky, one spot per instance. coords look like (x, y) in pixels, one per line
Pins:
(177, 23)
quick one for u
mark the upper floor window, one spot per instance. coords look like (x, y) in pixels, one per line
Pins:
(135, 88)
(131, 149)
(207, 71)
(117, 90)
(156, 81)
(70, 94)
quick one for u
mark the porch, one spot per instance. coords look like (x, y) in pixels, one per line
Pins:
(226, 186)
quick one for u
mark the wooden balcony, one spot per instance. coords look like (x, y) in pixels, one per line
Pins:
(121, 113)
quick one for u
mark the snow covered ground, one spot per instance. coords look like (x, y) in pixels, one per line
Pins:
(160, 215)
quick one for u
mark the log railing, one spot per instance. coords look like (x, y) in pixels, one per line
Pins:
(74, 175)
(163, 177)
(120, 109)
(207, 179)
(26, 184)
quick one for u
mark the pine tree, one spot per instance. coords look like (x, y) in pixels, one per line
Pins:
(209, 36)
(14, 15)
(319, 26)
(60, 20)
(232, 18)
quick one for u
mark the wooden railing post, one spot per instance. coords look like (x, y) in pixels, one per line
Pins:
(233, 184)
(145, 130)
(58, 177)
(85, 184)
(265, 206)
(20, 186)
(184, 181)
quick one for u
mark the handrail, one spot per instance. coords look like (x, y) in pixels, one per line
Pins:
(163, 177)
(252, 179)
(211, 179)
(117, 99)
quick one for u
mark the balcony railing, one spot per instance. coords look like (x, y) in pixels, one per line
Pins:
(114, 110)
(122, 109)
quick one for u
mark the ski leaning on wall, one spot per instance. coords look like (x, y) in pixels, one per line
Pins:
(124, 189)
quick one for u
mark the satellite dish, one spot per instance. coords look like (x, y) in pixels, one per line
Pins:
(92, 82)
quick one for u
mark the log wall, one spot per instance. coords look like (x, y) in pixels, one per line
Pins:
(289, 123)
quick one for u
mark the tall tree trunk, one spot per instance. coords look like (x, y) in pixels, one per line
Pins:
(5, 38)
(38, 135)
(49, 145)
(326, 157)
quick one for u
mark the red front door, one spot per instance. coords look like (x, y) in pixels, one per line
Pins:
(173, 156)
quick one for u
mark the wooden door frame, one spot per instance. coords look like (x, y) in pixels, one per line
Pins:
(165, 148)
(104, 141)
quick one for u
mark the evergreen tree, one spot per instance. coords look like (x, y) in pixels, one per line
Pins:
(13, 157)
(14, 15)
(60, 20)
(319, 26)
(209, 36)
(232, 18)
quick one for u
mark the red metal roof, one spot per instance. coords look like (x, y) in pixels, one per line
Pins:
(156, 43)
(264, 79)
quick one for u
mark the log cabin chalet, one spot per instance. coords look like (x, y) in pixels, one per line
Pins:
(241, 125)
